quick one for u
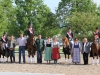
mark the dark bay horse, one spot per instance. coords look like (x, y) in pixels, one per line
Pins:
(66, 48)
(95, 48)
(31, 48)
(3, 52)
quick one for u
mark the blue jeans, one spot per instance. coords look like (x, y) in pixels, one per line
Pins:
(22, 50)
(12, 55)
(39, 56)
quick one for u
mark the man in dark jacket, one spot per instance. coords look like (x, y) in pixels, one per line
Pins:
(40, 48)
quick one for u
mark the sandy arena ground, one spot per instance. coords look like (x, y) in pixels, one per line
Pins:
(60, 68)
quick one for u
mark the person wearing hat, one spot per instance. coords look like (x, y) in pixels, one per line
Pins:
(97, 32)
(30, 29)
(21, 41)
(70, 34)
(4, 39)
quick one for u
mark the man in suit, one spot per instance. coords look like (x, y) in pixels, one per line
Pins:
(85, 50)
(40, 48)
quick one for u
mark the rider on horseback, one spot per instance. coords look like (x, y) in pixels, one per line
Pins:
(97, 35)
(30, 29)
(4, 40)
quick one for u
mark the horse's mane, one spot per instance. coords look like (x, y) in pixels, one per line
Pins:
(65, 39)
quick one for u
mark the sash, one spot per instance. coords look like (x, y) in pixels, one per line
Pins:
(69, 34)
(4, 39)
(31, 30)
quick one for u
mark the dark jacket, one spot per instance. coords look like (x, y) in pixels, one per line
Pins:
(28, 32)
(40, 44)
(6, 40)
(87, 47)
(72, 34)
(9, 44)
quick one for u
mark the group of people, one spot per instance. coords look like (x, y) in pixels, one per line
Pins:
(51, 48)
(78, 47)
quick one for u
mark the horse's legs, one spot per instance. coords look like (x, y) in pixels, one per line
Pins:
(97, 58)
(0, 57)
(65, 58)
(33, 53)
(68, 59)
(93, 58)
(29, 59)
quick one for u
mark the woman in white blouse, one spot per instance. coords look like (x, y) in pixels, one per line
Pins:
(55, 50)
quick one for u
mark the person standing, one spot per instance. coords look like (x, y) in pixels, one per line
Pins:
(85, 50)
(22, 43)
(48, 50)
(40, 48)
(76, 48)
(55, 50)
(11, 47)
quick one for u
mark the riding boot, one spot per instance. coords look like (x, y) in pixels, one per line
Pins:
(93, 61)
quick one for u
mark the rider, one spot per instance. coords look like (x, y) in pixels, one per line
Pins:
(30, 29)
(70, 35)
(4, 39)
(97, 34)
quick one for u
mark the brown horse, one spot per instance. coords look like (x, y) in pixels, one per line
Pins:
(31, 48)
(1, 50)
(66, 48)
(95, 49)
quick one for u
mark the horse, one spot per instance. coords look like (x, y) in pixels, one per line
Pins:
(31, 48)
(66, 48)
(3, 52)
(95, 48)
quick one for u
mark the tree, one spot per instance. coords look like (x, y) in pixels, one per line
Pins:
(36, 12)
(78, 14)
(5, 14)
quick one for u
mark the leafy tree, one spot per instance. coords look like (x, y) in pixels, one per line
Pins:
(78, 14)
(36, 12)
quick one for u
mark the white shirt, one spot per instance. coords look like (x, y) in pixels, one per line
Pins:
(11, 45)
(21, 41)
(55, 43)
(84, 47)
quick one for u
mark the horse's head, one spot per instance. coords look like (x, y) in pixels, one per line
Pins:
(65, 41)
